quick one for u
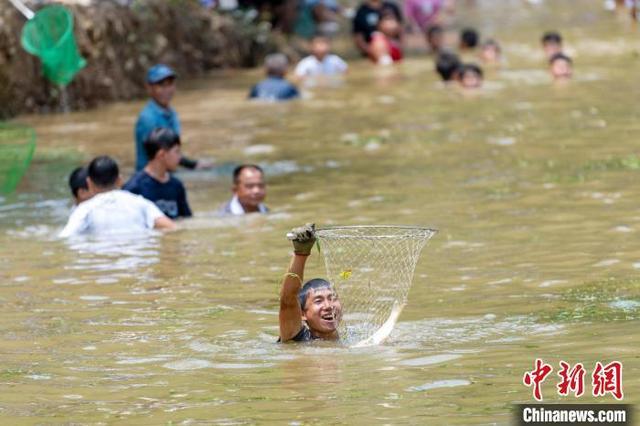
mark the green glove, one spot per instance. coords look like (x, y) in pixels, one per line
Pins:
(303, 239)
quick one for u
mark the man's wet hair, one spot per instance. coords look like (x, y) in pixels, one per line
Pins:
(313, 284)
(78, 180)
(103, 171)
(560, 57)
(551, 37)
(160, 138)
(276, 64)
(434, 30)
(446, 65)
(469, 38)
(241, 167)
(465, 68)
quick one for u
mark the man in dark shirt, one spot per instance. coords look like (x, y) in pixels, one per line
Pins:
(366, 21)
(155, 182)
(313, 311)
(275, 87)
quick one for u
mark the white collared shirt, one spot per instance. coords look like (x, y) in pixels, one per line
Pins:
(236, 208)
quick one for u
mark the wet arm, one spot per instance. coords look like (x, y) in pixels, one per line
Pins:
(290, 312)
(163, 223)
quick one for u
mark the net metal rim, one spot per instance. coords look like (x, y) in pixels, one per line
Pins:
(421, 231)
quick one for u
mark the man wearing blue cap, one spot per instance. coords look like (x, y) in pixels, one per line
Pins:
(161, 86)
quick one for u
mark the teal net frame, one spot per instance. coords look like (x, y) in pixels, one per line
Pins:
(371, 268)
(17, 145)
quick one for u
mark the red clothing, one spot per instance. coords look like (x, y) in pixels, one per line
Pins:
(393, 47)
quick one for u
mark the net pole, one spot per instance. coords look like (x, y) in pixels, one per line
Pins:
(26, 12)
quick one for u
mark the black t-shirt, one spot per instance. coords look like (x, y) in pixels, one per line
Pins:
(366, 20)
(304, 335)
(170, 196)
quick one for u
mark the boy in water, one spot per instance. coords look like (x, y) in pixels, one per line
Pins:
(155, 182)
(551, 43)
(447, 66)
(321, 62)
(435, 39)
(112, 210)
(469, 39)
(470, 76)
(561, 67)
(312, 311)
(275, 88)
(78, 185)
(385, 47)
(490, 52)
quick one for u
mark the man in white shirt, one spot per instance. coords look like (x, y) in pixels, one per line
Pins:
(249, 191)
(111, 210)
(320, 62)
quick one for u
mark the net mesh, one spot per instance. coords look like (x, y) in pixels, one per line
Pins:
(371, 268)
(49, 36)
(17, 144)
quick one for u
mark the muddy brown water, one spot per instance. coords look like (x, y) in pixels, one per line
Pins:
(532, 186)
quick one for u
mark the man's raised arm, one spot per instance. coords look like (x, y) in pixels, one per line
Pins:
(290, 309)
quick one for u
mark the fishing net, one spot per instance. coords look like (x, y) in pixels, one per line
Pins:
(49, 36)
(17, 144)
(371, 268)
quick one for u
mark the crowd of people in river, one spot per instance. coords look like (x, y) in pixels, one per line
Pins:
(153, 197)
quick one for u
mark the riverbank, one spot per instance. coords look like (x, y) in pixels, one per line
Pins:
(120, 43)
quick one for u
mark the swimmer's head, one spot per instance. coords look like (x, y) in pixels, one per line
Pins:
(163, 146)
(551, 43)
(561, 67)
(490, 52)
(104, 174)
(435, 38)
(447, 66)
(468, 38)
(320, 46)
(276, 64)
(321, 308)
(470, 76)
(249, 186)
(79, 186)
(389, 24)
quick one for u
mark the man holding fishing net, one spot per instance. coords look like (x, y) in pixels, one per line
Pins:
(310, 311)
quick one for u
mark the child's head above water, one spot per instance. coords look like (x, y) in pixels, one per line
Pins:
(470, 76)
(389, 24)
(320, 46)
(468, 38)
(447, 66)
(78, 185)
(276, 64)
(561, 67)
(163, 146)
(551, 43)
(490, 52)
(435, 38)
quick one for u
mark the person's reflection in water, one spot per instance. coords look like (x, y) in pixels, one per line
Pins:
(312, 311)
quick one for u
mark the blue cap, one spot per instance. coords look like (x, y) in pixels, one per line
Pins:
(159, 72)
